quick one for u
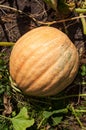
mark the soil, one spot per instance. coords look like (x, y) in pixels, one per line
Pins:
(30, 14)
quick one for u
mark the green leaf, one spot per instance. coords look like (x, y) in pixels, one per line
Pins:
(22, 121)
(63, 7)
(3, 126)
(57, 120)
(83, 70)
(47, 114)
(52, 4)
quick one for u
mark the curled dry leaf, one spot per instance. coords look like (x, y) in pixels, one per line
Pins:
(7, 104)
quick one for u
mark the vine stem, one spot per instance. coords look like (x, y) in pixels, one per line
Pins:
(79, 10)
(75, 114)
(7, 118)
(65, 97)
(13, 85)
(6, 43)
(83, 23)
(80, 111)
(41, 123)
(81, 14)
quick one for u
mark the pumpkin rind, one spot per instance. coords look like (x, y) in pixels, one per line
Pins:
(43, 62)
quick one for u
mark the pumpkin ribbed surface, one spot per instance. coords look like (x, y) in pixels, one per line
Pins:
(43, 62)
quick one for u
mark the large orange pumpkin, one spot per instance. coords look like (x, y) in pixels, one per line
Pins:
(43, 62)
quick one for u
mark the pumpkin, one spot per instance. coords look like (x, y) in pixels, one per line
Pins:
(43, 62)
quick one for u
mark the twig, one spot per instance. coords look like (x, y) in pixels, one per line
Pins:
(40, 22)
(4, 29)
